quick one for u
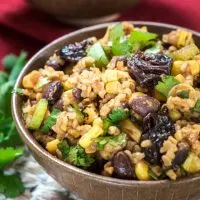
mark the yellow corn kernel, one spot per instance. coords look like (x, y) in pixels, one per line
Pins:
(87, 139)
(192, 163)
(176, 68)
(194, 67)
(174, 114)
(110, 75)
(180, 78)
(31, 79)
(52, 146)
(158, 96)
(98, 122)
(142, 171)
(67, 85)
(182, 38)
(113, 87)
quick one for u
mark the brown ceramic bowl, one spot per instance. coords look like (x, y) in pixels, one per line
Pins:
(87, 185)
(83, 12)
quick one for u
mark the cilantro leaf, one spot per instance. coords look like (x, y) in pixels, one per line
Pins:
(167, 83)
(183, 94)
(118, 115)
(11, 185)
(8, 155)
(112, 140)
(140, 39)
(9, 61)
(17, 67)
(197, 106)
(3, 77)
(51, 120)
(75, 155)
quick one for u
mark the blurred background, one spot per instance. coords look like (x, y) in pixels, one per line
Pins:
(24, 27)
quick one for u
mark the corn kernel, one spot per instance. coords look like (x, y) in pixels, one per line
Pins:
(31, 79)
(113, 87)
(67, 85)
(110, 75)
(176, 68)
(192, 163)
(194, 67)
(174, 114)
(141, 171)
(180, 78)
(52, 146)
(182, 38)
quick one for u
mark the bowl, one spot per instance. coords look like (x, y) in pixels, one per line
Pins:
(87, 185)
(83, 12)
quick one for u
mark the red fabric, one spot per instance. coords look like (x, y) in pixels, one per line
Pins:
(22, 27)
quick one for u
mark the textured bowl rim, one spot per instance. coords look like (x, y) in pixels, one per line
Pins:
(38, 149)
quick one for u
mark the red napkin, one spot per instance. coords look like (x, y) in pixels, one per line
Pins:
(22, 27)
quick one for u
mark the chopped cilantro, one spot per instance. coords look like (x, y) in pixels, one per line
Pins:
(112, 140)
(183, 94)
(118, 115)
(197, 106)
(75, 155)
(50, 121)
(167, 83)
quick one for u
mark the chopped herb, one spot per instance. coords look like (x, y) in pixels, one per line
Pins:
(9, 61)
(140, 40)
(75, 155)
(183, 94)
(112, 140)
(154, 49)
(167, 83)
(118, 115)
(51, 120)
(7, 155)
(11, 185)
(197, 106)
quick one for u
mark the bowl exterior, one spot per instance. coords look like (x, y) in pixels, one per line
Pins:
(74, 9)
(87, 185)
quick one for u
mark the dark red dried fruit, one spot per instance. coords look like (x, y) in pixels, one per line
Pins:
(147, 69)
(122, 166)
(157, 128)
(74, 52)
(53, 92)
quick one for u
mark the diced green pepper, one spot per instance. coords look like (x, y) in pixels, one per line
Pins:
(97, 52)
(38, 115)
(51, 120)
(78, 112)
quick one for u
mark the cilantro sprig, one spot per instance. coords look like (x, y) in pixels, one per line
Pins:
(10, 143)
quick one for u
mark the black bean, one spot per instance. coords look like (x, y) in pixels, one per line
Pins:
(142, 105)
(180, 157)
(53, 92)
(77, 94)
(123, 167)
